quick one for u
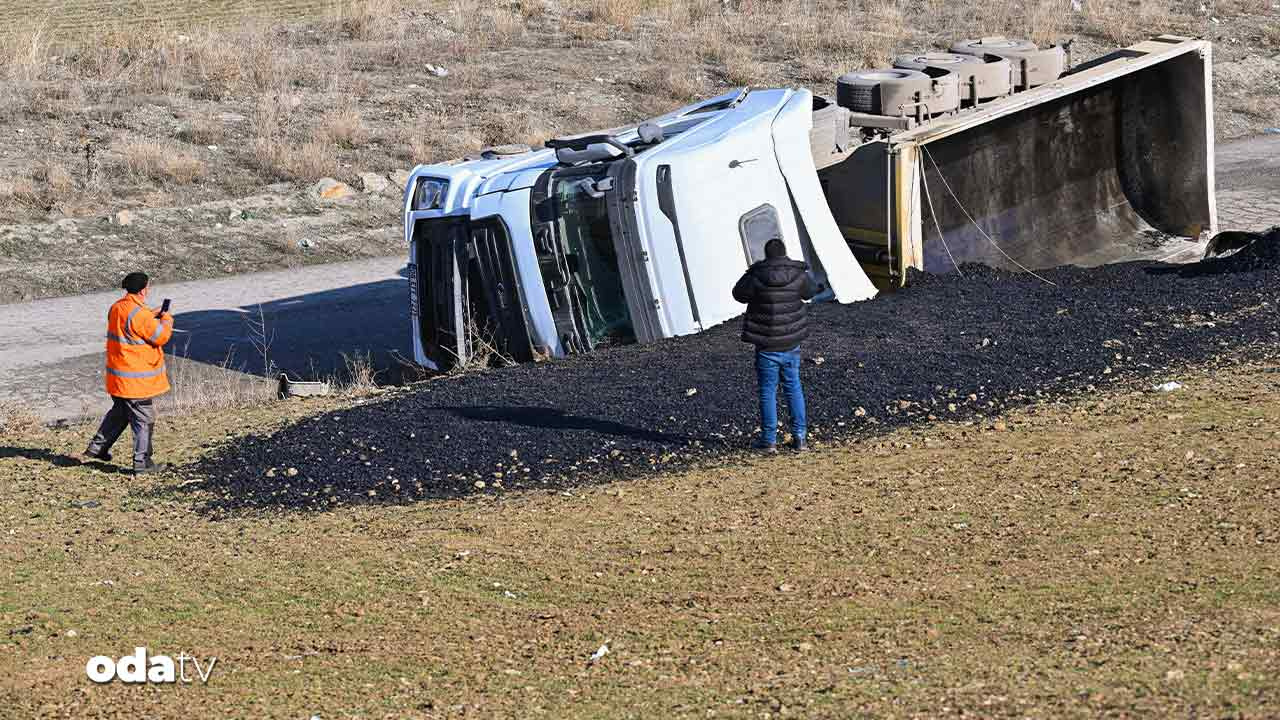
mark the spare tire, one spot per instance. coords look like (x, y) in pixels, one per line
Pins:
(993, 44)
(884, 91)
(989, 74)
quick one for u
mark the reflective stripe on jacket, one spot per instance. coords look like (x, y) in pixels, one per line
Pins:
(135, 362)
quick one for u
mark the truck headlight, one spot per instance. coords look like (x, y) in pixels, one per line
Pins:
(429, 195)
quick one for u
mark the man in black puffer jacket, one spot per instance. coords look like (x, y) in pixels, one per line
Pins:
(774, 291)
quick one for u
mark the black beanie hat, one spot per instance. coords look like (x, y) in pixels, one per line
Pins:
(774, 248)
(134, 282)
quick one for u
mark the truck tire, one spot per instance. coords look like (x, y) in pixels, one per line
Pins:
(1033, 69)
(990, 75)
(884, 90)
(1031, 65)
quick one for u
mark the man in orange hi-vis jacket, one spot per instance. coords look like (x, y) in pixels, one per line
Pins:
(135, 372)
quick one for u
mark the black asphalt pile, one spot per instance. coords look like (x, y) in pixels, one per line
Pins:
(947, 347)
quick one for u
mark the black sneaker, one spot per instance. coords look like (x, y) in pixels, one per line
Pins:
(103, 456)
(764, 447)
(150, 467)
(799, 444)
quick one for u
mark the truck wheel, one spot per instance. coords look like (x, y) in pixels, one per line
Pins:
(861, 91)
(994, 43)
(989, 74)
(940, 60)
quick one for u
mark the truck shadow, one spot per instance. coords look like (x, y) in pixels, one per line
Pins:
(307, 336)
(549, 418)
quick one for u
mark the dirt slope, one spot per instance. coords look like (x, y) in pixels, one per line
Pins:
(170, 112)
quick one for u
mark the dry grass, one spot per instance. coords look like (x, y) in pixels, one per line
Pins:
(367, 19)
(17, 418)
(343, 127)
(47, 187)
(203, 129)
(1123, 22)
(359, 377)
(1271, 34)
(161, 162)
(307, 161)
(24, 55)
(197, 388)
(677, 83)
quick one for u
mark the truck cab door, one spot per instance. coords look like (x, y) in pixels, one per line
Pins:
(710, 202)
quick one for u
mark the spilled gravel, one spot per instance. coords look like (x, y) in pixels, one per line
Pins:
(946, 347)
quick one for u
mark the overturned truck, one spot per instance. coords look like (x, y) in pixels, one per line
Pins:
(997, 152)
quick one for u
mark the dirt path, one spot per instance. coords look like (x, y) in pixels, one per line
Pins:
(51, 351)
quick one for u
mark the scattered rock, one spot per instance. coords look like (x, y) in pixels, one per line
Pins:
(372, 183)
(122, 218)
(330, 189)
(1168, 387)
(599, 653)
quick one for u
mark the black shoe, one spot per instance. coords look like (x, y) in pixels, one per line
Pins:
(103, 456)
(150, 467)
(799, 444)
(764, 447)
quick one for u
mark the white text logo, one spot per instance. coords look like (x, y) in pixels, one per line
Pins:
(141, 668)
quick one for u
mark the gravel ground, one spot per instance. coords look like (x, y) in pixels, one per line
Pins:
(946, 347)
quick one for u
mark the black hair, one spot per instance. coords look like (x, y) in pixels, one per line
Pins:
(774, 248)
(134, 282)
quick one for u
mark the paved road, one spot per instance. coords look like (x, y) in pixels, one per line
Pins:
(1248, 183)
(51, 350)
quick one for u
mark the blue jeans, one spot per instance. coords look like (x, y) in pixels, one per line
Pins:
(769, 367)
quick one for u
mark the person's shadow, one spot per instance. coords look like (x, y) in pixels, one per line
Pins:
(55, 459)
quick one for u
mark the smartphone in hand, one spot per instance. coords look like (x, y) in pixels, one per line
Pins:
(164, 307)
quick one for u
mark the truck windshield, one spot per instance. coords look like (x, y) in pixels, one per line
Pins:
(582, 223)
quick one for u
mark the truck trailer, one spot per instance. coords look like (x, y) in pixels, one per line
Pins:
(996, 153)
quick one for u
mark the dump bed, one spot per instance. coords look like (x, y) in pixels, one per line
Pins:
(1113, 161)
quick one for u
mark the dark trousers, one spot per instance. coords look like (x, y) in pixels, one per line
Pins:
(139, 415)
(770, 367)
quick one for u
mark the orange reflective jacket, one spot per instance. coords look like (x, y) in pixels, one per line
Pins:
(135, 362)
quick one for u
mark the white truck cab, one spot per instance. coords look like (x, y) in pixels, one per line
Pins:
(634, 235)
